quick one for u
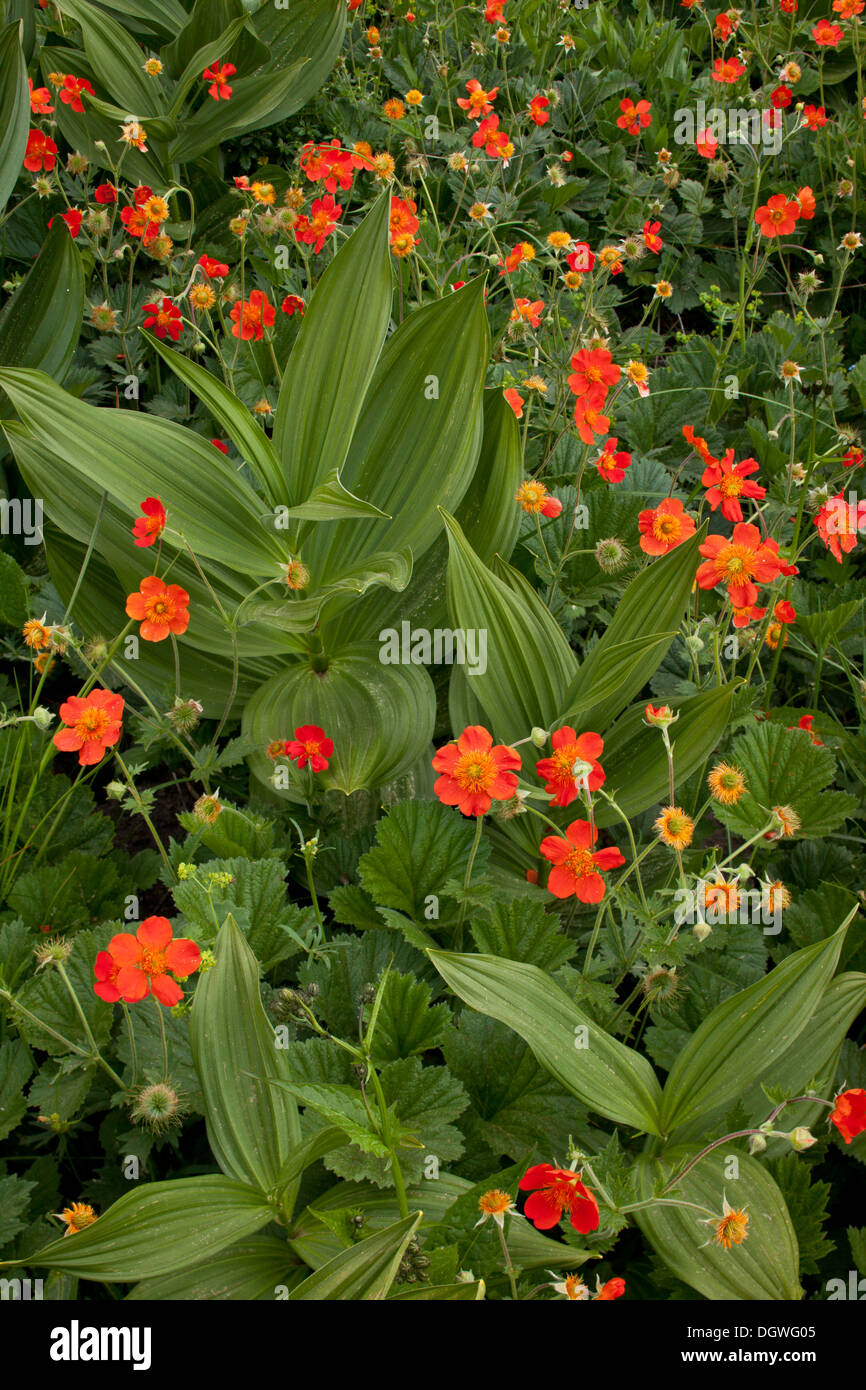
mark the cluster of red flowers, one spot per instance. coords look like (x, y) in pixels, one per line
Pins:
(315, 228)
(594, 372)
(779, 214)
(331, 165)
(161, 609)
(402, 226)
(250, 317)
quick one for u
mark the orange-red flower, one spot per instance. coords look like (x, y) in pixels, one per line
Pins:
(726, 482)
(664, 527)
(635, 115)
(165, 319)
(309, 746)
(478, 101)
(94, 724)
(217, 75)
(213, 269)
(577, 869)
(806, 203)
(839, 523)
(515, 400)
(738, 562)
(827, 35)
(70, 92)
(614, 1288)
(849, 1113)
(322, 221)
(778, 216)
(652, 240)
(589, 420)
(149, 528)
(496, 143)
(558, 770)
(474, 773)
(145, 963)
(527, 311)
(554, 1192)
(41, 152)
(160, 608)
(698, 443)
(40, 98)
(612, 464)
(727, 70)
(537, 110)
(250, 317)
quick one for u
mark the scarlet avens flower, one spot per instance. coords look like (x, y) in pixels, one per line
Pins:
(149, 528)
(322, 221)
(726, 482)
(213, 269)
(40, 98)
(474, 772)
(309, 746)
(165, 319)
(592, 375)
(41, 152)
(514, 399)
(849, 1113)
(94, 724)
(160, 608)
(558, 770)
(778, 216)
(827, 35)
(538, 110)
(145, 963)
(738, 562)
(478, 102)
(70, 92)
(577, 868)
(635, 115)
(555, 1192)
(727, 70)
(218, 76)
(612, 463)
(250, 317)
(664, 527)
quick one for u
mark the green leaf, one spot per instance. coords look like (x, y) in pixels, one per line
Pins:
(420, 846)
(329, 501)
(740, 1040)
(160, 1229)
(254, 103)
(115, 56)
(14, 1201)
(13, 591)
(252, 1269)
(214, 51)
(763, 1267)
(16, 1068)
(252, 1130)
(334, 357)
(529, 662)
(363, 1273)
(314, 31)
(607, 1077)
(440, 1293)
(783, 767)
(407, 1022)
(343, 1108)
(41, 321)
(653, 604)
(47, 999)
(14, 109)
(522, 930)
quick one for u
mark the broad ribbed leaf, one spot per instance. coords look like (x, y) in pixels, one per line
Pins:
(333, 358)
(133, 456)
(609, 1078)
(330, 501)
(740, 1040)
(529, 662)
(763, 1267)
(252, 1127)
(159, 1229)
(380, 718)
(653, 603)
(41, 321)
(392, 570)
(116, 57)
(363, 1272)
(252, 1269)
(635, 761)
(14, 109)
(313, 30)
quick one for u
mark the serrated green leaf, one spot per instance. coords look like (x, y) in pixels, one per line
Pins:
(784, 768)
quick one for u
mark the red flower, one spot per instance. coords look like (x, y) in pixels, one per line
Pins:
(785, 612)
(577, 869)
(160, 608)
(474, 772)
(138, 224)
(94, 722)
(167, 319)
(569, 749)
(478, 101)
(814, 117)
(495, 141)
(313, 230)
(726, 482)
(727, 70)
(781, 98)
(589, 421)
(402, 219)
(293, 304)
(849, 1113)
(528, 311)
(614, 1288)
(853, 458)
(72, 217)
(105, 193)
(70, 92)
(221, 445)
(806, 203)
(218, 77)
(635, 115)
(838, 524)
(706, 144)
(554, 1192)
(310, 746)
(537, 112)
(149, 528)
(214, 270)
(41, 152)
(140, 964)
(612, 465)
(515, 400)
(252, 316)
(738, 562)
(40, 98)
(827, 35)
(778, 216)
(698, 443)
(594, 372)
(664, 527)
(581, 258)
(652, 241)
(805, 723)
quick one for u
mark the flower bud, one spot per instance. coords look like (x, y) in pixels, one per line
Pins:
(539, 737)
(801, 1139)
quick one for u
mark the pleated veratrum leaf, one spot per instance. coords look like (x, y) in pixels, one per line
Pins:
(252, 104)
(635, 761)
(14, 109)
(609, 1078)
(41, 321)
(440, 1293)
(313, 30)
(246, 435)
(529, 662)
(252, 1127)
(764, 1266)
(380, 718)
(653, 603)
(97, 136)
(618, 667)
(252, 1269)
(115, 56)
(133, 456)
(161, 16)
(207, 21)
(330, 501)
(737, 1044)
(419, 434)
(333, 358)
(159, 1229)
(363, 1272)
(391, 569)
